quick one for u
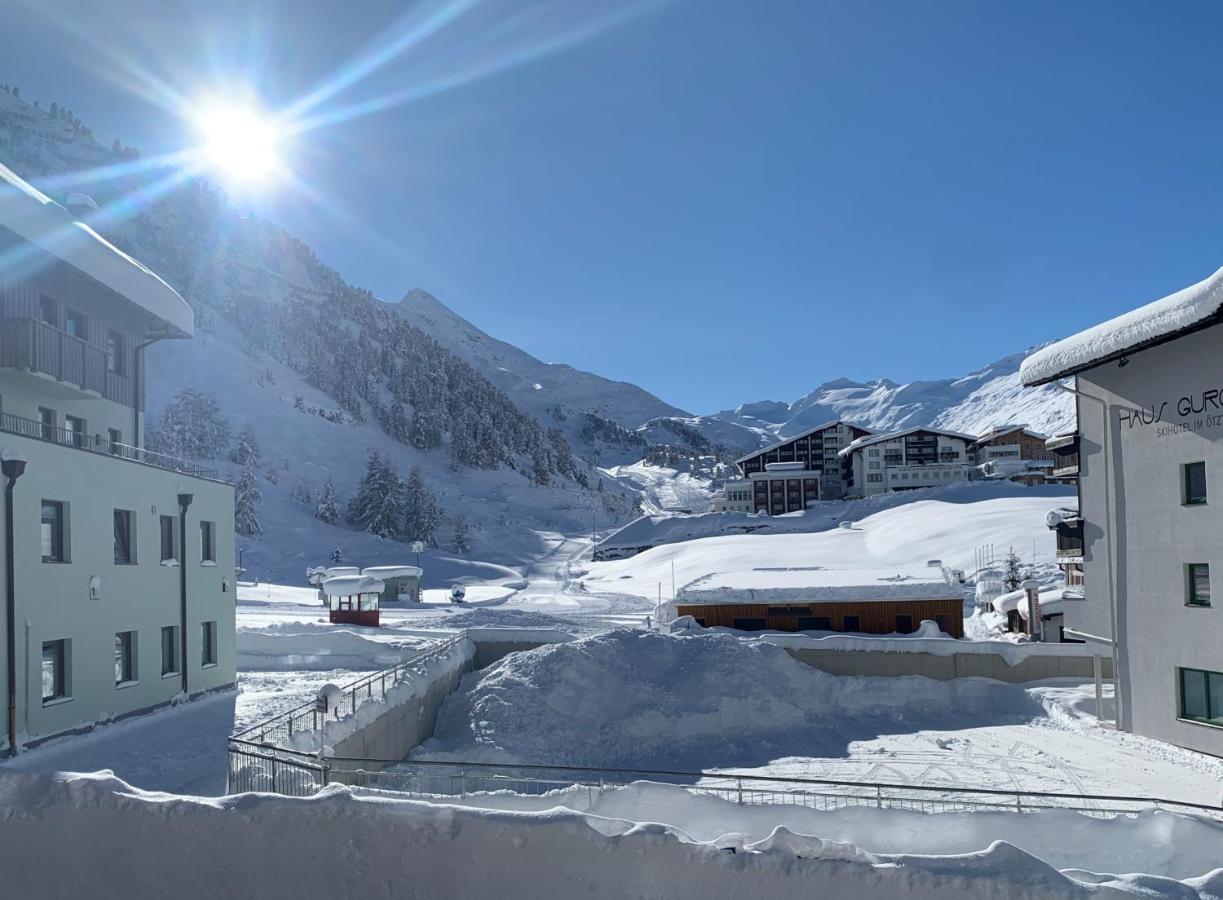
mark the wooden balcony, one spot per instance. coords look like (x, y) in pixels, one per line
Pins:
(31, 345)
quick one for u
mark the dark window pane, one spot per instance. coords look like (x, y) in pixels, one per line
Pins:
(750, 624)
(1193, 694)
(1214, 694)
(904, 624)
(1199, 584)
(850, 623)
(1195, 483)
(123, 536)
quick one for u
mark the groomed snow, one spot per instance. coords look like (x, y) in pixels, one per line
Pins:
(1197, 304)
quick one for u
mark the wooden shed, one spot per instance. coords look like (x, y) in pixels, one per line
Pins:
(862, 601)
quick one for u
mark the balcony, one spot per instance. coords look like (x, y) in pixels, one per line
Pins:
(1065, 452)
(32, 345)
(29, 428)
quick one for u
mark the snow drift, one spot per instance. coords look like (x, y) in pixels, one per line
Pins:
(649, 701)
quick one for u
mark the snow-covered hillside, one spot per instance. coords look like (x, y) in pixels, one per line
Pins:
(536, 386)
(990, 396)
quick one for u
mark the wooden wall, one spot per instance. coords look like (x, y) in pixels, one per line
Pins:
(874, 616)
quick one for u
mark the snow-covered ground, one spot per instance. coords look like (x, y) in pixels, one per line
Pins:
(664, 490)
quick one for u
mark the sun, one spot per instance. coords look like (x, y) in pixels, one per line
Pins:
(239, 142)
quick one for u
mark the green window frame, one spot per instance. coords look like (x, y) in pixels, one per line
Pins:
(1193, 484)
(1197, 584)
(1201, 695)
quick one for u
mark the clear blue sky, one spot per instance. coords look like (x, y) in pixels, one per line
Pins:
(720, 200)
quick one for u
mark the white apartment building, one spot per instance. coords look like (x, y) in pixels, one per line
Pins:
(904, 460)
(816, 450)
(781, 487)
(118, 563)
(1149, 527)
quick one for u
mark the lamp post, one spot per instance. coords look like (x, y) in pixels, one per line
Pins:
(13, 467)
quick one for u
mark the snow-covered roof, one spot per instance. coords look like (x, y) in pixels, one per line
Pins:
(998, 431)
(1063, 515)
(1064, 439)
(36, 218)
(351, 585)
(819, 585)
(1189, 309)
(392, 571)
(893, 435)
(335, 571)
(801, 435)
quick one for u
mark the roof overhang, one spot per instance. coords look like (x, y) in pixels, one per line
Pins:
(1188, 310)
(39, 220)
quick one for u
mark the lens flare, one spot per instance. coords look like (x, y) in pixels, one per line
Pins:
(239, 142)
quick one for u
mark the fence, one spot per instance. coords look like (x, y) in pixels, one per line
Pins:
(299, 774)
(277, 731)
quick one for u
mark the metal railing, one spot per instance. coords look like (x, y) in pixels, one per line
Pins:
(299, 774)
(277, 732)
(67, 437)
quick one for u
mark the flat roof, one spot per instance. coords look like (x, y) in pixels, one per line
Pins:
(1189, 309)
(815, 584)
(36, 218)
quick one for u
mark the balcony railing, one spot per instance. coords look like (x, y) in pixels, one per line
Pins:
(36, 346)
(66, 437)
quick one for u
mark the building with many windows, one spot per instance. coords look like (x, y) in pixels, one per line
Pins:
(1149, 456)
(790, 475)
(903, 460)
(119, 562)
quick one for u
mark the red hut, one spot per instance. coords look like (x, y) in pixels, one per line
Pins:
(353, 599)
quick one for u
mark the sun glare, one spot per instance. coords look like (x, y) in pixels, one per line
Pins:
(239, 142)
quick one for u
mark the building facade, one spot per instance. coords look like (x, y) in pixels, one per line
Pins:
(1150, 467)
(904, 460)
(817, 450)
(119, 565)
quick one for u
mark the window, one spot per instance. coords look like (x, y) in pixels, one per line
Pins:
(168, 548)
(850, 623)
(1194, 480)
(48, 311)
(1201, 696)
(54, 670)
(169, 651)
(751, 624)
(874, 476)
(1197, 584)
(116, 353)
(125, 547)
(75, 426)
(814, 623)
(904, 624)
(47, 418)
(76, 324)
(874, 463)
(208, 542)
(208, 644)
(115, 437)
(125, 657)
(54, 531)
(872, 452)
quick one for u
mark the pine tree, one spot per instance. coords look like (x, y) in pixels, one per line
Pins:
(397, 422)
(378, 506)
(191, 426)
(462, 535)
(247, 498)
(1012, 577)
(302, 493)
(421, 514)
(327, 509)
(246, 452)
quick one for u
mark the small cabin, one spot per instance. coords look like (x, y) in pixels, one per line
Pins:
(354, 599)
(402, 582)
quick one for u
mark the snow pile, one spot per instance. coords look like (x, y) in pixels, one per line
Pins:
(300, 645)
(421, 676)
(650, 701)
(1195, 305)
(340, 845)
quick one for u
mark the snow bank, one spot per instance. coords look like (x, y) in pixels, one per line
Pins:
(303, 646)
(336, 844)
(649, 701)
(1197, 304)
(1010, 652)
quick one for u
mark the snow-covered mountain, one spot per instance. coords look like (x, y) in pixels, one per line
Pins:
(535, 386)
(972, 403)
